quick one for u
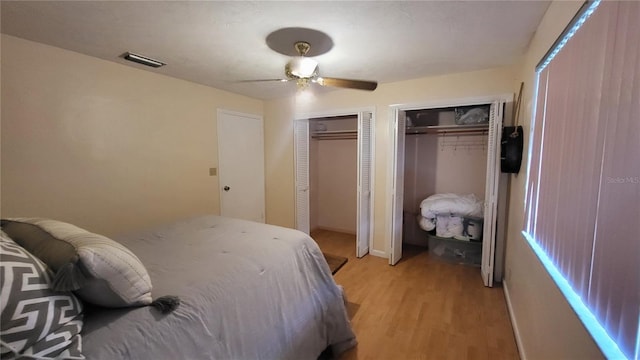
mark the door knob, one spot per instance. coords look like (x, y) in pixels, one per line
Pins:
(226, 188)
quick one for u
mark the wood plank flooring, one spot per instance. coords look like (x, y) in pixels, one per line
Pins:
(421, 308)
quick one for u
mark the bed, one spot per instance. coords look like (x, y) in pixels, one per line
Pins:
(246, 291)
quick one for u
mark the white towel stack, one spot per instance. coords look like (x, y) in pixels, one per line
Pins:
(445, 213)
(448, 226)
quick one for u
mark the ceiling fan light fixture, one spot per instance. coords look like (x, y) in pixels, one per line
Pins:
(302, 67)
(303, 83)
(304, 70)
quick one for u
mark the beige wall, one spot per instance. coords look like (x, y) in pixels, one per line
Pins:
(105, 146)
(337, 185)
(279, 116)
(546, 325)
(279, 162)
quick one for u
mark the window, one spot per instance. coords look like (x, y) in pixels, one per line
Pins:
(582, 205)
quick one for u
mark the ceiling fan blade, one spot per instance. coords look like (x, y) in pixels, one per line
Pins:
(348, 83)
(263, 80)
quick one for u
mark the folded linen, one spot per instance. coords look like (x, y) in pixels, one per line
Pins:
(426, 224)
(462, 205)
(449, 226)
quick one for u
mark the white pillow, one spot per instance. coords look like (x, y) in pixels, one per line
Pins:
(98, 269)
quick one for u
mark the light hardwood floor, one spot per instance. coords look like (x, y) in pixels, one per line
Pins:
(421, 308)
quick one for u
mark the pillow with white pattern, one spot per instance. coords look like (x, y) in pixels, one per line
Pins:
(37, 322)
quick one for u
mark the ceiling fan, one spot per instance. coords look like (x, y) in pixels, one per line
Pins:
(302, 68)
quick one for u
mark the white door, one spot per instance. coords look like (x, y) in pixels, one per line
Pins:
(491, 193)
(301, 140)
(241, 165)
(364, 231)
(397, 186)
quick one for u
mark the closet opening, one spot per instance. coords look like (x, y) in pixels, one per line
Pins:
(446, 181)
(333, 182)
(333, 178)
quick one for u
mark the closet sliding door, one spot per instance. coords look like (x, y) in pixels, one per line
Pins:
(301, 140)
(365, 211)
(491, 192)
(397, 184)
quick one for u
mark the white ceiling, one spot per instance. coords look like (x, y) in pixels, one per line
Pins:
(219, 43)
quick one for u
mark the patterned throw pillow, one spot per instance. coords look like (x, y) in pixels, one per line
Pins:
(37, 322)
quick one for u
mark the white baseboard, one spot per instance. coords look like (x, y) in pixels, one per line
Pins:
(378, 253)
(514, 322)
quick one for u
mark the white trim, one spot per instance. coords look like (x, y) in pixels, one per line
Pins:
(396, 187)
(378, 253)
(514, 322)
(351, 111)
(393, 115)
(394, 108)
(373, 181)
(476, 100)
(236, 113)
(337, 112)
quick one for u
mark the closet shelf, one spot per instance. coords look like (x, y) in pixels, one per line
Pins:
(448, 129)
(335, 134)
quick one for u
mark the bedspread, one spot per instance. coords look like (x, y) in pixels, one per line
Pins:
(247, 290)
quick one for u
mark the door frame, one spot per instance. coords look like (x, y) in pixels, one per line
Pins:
(394, 110)
(361, 243)
(219, 112)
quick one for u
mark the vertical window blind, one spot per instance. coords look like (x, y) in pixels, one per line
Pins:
(582, 204)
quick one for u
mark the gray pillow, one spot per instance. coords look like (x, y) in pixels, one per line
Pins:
(37, 322)
(99, 270)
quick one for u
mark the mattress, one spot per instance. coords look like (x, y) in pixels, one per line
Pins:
(247, 290)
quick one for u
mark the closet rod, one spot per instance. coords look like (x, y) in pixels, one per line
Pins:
(334, 137)
(335, 134)
(451, 133)
(448, 129)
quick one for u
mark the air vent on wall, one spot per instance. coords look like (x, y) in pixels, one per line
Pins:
(142, 60)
